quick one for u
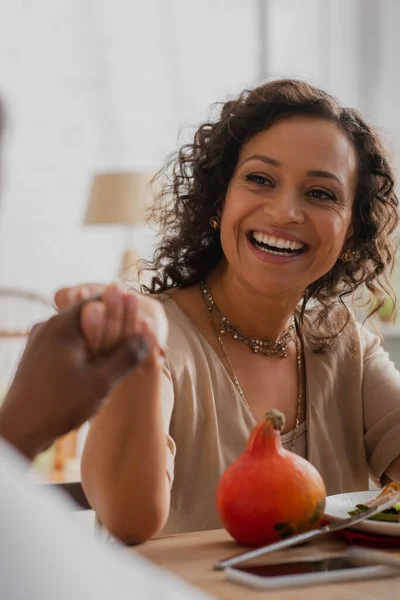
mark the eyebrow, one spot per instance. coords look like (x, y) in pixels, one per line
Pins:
(275, 163)
(263, 158)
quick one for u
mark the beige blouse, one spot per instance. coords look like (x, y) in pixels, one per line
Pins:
(352, 427)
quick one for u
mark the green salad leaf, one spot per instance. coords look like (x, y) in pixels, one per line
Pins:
(391, 514)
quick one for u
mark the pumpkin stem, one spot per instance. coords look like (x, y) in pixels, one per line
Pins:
(276, 418)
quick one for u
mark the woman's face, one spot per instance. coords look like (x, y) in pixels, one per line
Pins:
(288, 207)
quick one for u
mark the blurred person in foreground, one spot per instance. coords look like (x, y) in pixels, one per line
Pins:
(273, 218)
(62, 380)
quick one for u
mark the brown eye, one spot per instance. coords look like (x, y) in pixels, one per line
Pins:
(321, 194)
(259, 179)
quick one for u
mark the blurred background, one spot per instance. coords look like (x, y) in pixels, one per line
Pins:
(110, 86)
(113, 86)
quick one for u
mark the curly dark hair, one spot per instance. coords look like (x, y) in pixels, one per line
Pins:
(196, 179)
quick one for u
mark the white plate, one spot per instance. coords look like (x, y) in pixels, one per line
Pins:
(337, 508)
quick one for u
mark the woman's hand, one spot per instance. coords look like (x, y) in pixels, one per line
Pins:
(71, 363)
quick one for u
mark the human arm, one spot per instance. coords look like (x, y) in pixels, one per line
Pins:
(381, 402)
(126, 456)
(60, 381)
(393, 470)
(124, 463)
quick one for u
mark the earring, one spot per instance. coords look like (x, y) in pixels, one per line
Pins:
(215, 222)
(347, 256)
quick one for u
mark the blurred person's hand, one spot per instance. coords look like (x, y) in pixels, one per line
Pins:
(67, 297)
(70, 364)
(145, 315)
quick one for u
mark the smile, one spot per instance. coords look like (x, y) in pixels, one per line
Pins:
(276, 246)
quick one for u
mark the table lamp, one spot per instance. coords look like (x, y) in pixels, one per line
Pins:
(120, 199)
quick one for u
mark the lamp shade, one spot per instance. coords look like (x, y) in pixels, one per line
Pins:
(119, 198)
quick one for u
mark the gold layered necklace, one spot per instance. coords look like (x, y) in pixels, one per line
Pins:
(262, 346)
(265, 347)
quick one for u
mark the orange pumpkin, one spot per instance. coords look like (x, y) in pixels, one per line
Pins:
(269, 493)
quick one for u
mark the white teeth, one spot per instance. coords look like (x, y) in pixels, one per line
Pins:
(274, 252)
(274, 242)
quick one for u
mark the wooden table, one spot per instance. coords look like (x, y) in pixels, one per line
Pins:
(192, 555)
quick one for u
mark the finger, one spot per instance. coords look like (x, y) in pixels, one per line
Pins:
(92, 324)
(65, 298)
(68, 296)
(151, 312)
(137, 324)
(129, 354)
(144, 318)
(130, 315)
(113, 298)
(67, 323)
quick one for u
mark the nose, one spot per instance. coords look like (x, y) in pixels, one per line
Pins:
(284, 207)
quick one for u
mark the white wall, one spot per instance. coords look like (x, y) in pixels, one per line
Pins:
(93, 85)
(100, 85)
(351, 48)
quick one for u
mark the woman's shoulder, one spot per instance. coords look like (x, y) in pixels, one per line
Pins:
(177, 308)
(179, 322)
(350, 338)
(186, 344)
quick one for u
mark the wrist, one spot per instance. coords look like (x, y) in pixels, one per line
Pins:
(12, 429)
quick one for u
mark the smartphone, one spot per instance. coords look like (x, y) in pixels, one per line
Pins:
(310, 571)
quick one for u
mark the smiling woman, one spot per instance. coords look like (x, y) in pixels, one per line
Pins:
(280, 209)
(285, 201)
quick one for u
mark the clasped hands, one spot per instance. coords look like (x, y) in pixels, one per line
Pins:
(73, 361)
